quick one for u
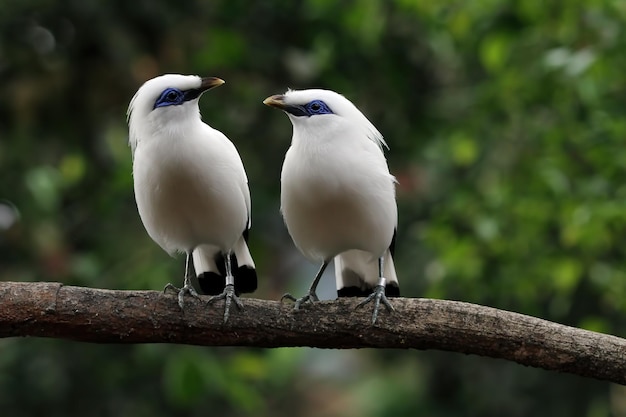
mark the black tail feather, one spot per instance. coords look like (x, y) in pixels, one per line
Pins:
(212, 283)
(391, 290)
(353, 292)
(245, 279)
(355, 285)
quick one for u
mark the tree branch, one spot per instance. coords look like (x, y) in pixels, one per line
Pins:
(108, 316)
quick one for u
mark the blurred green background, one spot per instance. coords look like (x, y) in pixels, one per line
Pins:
(507, 132)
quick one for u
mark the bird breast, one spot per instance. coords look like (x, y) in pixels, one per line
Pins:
(337, 199)
(189, 191)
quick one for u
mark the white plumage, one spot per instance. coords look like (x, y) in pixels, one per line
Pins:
(190, 185)
(337, 195)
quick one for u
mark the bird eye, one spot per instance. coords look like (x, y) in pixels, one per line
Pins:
(172, 96)
(317, 107)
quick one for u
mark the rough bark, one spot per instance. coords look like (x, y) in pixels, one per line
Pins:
(108, 316)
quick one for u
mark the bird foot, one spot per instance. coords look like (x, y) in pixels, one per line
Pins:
(186, 289)
(228, 296)
(378, 296)
(308, 298)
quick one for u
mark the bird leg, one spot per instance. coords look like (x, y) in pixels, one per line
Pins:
(310, 296)
(187, 287)
(378, 295)
(229, 291)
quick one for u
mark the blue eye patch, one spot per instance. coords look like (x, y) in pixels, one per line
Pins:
(312, 108)
(174, 97)
(317, 107)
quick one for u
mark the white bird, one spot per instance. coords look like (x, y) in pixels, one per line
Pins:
(337, 195)
(191, 187)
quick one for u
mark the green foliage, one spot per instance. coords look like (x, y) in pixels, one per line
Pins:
(505, 122)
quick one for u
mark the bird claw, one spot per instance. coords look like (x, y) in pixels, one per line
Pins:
(170, 286)
(186, 289)
(287, 296)
(378, 295)
(228, 296)
(309, 297)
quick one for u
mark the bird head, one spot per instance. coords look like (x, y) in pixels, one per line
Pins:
(323, 109)
(167, 101)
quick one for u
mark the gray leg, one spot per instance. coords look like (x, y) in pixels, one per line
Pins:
(378, 295)
(187, 288)
(310, 296)
(229, 291)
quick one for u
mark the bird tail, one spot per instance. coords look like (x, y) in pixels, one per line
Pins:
(356, 274)
(210, 268)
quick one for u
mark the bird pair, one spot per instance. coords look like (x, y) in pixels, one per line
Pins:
(337, 195)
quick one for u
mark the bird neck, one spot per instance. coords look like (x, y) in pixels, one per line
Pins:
(316, 134)
(175, 122)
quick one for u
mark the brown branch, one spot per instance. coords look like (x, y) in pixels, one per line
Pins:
(107, 316)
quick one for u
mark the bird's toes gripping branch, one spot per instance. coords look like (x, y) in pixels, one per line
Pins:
(228, 296)
(378, 296)
(186, 289)
(309, 297)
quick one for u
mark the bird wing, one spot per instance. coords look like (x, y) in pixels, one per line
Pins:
(210, 267)
(230, 148)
